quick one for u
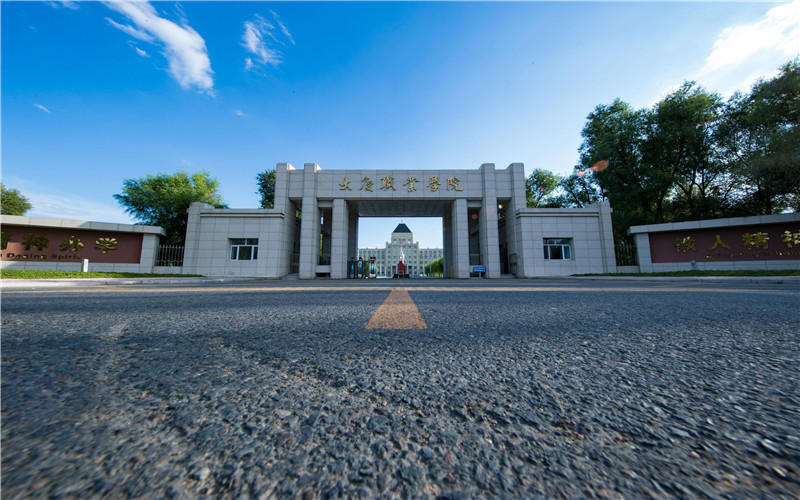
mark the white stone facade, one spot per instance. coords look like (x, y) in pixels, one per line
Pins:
(484, 216)
(401, 244)
(587, 229)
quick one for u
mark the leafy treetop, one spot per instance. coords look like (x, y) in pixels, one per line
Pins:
(12, 202)
(163, 200)
(266, 188)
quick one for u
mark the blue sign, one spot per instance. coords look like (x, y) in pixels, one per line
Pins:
(478, 269)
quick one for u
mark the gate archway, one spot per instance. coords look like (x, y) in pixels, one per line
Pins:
(470, 204)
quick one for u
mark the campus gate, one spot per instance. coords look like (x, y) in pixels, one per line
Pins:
(471, 204)
(313, 228)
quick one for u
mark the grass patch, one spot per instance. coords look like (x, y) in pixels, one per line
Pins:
(744, 272)
(40, 275)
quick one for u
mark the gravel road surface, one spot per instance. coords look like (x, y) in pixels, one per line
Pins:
(263, 391)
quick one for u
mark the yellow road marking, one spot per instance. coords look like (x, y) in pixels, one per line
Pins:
(397, 312)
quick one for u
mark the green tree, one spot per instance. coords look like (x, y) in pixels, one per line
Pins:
(579, 190)
(760, 142)
(12, 202)
(539, 187)
(680, 145)
(266, 188)
(435, 267)
(612, 151)
(163, 200)
(692, 156)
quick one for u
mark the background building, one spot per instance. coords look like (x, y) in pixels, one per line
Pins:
(402, 242)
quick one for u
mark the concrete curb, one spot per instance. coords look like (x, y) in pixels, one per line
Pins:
(66, 283)
(58, 283)
(699, 279)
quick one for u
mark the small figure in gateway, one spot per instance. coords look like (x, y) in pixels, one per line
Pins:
(401, 266)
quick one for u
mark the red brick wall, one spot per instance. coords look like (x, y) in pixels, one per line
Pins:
(63, 245)
(745, 243)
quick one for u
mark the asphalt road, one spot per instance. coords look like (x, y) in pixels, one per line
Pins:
(540, 388)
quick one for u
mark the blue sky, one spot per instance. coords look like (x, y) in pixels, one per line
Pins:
(94, 93)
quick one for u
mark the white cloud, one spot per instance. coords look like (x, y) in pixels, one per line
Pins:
(141, 35)
(141, 52)
(239, 112)
(64, 3)
(42, 108)
(779, 30)
(283, 28)
(255, 40)
(179, 10)
(184, 48)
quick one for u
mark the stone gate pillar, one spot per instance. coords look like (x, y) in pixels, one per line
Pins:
(309, 225)
(352, 235)
(282, 265)
(520, 248)
(447, 242)
(489, 235)
(339, 239)
(460, 235)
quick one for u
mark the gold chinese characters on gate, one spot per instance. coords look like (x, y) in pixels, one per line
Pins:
(68, 248)
(752, 242)
(410, 184)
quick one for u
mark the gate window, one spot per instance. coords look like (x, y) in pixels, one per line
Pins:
(244, 248)
(558, 249)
